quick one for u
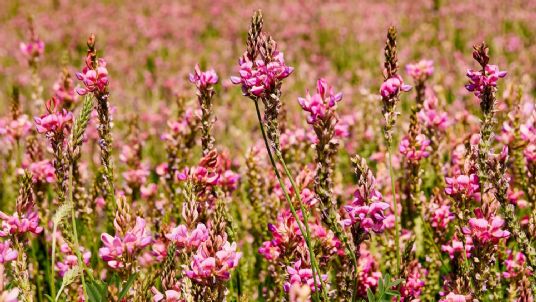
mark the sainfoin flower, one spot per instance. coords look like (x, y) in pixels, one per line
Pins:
(168, 295)
(479, 81)
(15, 224)
(203, 79)
(188, 239)
(456, 247)
(319, 103)
(420, 70)
(70, 259)
(116, 247)
(94, 79)
(463, 186)
(257, 77)
(43, 171)
(11, 295)
(440, 216)
(515, 264)
(6, 252)
(417, 150)
(54, 121)
(485, 230)
(393, 86)
(33, 49)
(452, 297)
(302, 276)
(367, 209)
(206, 265)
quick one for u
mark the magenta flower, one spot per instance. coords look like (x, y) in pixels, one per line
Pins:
(95, 79)
(302, 276)
(321, 102)
(206, 265)
(420, 149)
(479, 81)
(117, 248)
(393, 86)
(530, 153)
(53, 121)
(420, 70)
(414, 283)
(270, 250)
(456, 247)
(368, 272)
(367, 209)
(463, 186)
(516, 264)
(28, 222)
(188, 239)
(6, 252)
(430, 115)
(203, 79)
(485, 230)
(258, 77)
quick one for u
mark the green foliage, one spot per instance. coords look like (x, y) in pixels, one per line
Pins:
(385, 291)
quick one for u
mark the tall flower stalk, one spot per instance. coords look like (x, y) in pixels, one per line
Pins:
(390, 91)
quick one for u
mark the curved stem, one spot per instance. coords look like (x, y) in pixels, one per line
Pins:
(395, 208)
(294, 214)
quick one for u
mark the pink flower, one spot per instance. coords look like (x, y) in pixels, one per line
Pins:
(420, 149)
(70, 259)
(393, 86)
(28, 222)
(11, 295)
(515, 265)
(33, 49)
(479, 81)
(367, 208)
(368, 272)
(206, 265)
(258, 77)
(95, 79)
(430, 115)
(6, 252)
(189, 240)
(456, 247)
(452, 297)
(167, 296)
(463, 186)
(420, 70)
(414, 283)
(440, 217)
(270, 250)
(530, 153)
(203, 80)
(302, 276)
(485, 230)
(117, 248)
(321, 102)
(43, 171)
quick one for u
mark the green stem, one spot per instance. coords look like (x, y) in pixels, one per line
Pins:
(395, 208)
(283, 187)
(53, 256)
(75, 232)
(304, 212)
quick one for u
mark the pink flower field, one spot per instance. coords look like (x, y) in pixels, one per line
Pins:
(294, 151)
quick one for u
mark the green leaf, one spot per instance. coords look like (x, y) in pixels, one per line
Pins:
(129, 283)
(370, 296)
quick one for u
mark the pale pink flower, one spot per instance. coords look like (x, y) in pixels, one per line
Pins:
(206, 265)
(463, 186)
(456, 247)
(188, 239)
(420, 149)
(6, 252)
(11, 295)
(28, 222)
(485, 230)
(95, 79)
(452, 297)
(168, 296)
(70, 259)
(302, 276)
(33, 49)
(420, 70)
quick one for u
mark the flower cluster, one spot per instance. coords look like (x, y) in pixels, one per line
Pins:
(302, 276)
(207, 264)
(116, 248)
(259, 76)
(485, 230)
(6, 252)
(417, 150)
(26, 223)
(463, 187)
(481, 80)
(70, 259)
(188, 239)
(420, 70)
(321, 102)
(95, 78)
(203, 80)
(55, 121)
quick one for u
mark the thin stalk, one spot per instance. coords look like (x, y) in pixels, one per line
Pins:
(304, 212)
(75, 232)
(283, 187)
(395, 208)
(53, 256)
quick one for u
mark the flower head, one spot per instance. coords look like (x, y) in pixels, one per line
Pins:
(481, 80)
(319, 104)
(6, 252)
(393, 86)
(421, 70)
(94, 78)
(203, 79)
